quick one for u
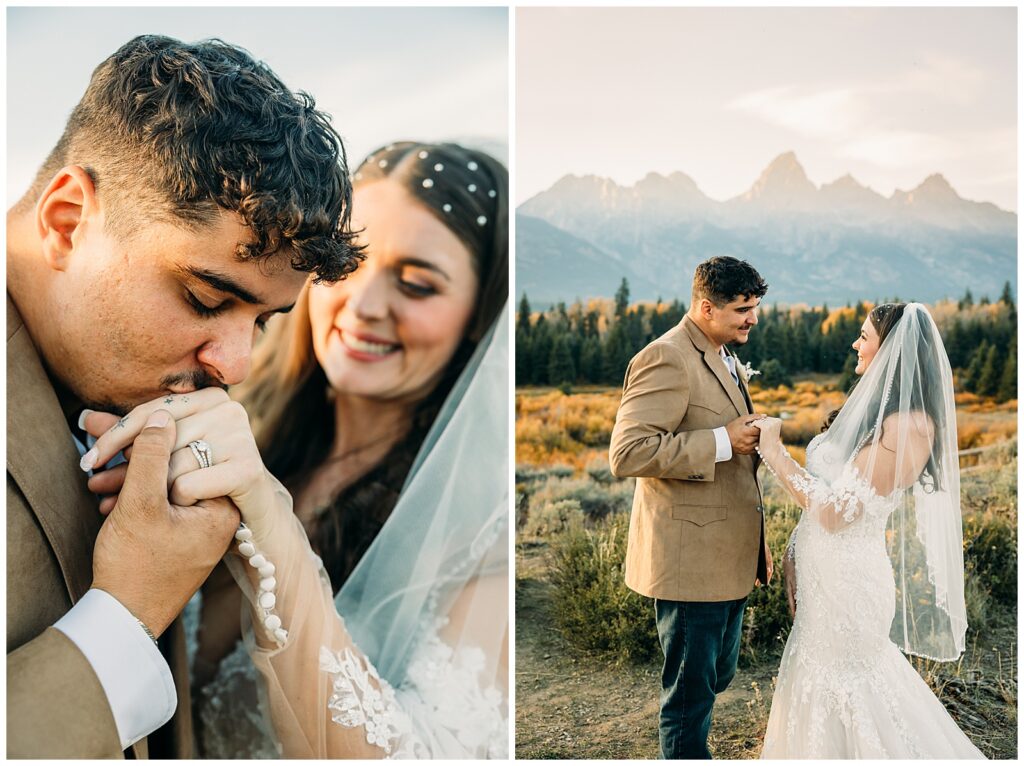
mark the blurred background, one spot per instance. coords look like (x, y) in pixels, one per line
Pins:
(384, 74)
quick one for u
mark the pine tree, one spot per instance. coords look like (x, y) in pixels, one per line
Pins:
(974, 365)
(967, 301)
(1007, 296)
(774, 374)
(540, 351)
(849, 376)
(560, 366)
(616, 354)
(1008, 380)
(622, 299)
(523, 320)
(591, 361)
(523, 355)
(988, 378)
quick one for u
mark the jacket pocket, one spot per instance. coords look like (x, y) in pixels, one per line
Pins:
(701, 515)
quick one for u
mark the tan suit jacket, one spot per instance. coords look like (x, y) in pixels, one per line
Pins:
(696, 532)
(56, 707)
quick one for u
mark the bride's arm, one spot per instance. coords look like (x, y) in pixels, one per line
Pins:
(325, 698)
(836, 506)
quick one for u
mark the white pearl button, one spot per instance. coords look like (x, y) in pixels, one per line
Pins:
(268, 583)
(258, 560)
(272, 622)
(247, 549)
(267, 600)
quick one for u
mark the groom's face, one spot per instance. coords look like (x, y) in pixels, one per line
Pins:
(167, 309)
(731, 323)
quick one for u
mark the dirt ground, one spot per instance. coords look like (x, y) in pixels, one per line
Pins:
(578, 707)
(572, 708)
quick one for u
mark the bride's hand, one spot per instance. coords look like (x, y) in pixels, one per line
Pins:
(208, 415)
(771, 432)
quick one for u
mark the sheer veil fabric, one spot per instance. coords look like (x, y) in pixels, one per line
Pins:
(898, 429)
(410, 659)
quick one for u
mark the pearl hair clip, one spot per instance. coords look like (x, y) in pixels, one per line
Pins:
(428, 182)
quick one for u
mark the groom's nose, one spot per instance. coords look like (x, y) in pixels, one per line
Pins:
(228, 357)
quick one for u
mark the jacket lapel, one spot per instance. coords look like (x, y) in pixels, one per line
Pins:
(43, 461)
(743, 383)
(715, 363)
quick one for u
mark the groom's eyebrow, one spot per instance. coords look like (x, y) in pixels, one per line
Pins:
(226, 284)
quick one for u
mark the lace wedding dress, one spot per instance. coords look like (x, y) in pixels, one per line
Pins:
(444, 710)
(844, 689)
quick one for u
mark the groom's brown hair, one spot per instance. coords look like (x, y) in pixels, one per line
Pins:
(175, 132)
(723, 278)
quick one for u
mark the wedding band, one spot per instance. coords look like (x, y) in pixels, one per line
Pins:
(203, 453)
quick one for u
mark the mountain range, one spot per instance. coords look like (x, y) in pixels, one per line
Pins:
(837, 242)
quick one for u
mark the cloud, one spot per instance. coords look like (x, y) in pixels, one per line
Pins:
(899, 149)
(818, 114)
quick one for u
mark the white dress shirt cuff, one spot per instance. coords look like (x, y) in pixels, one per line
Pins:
(131, 670)
(723, 447)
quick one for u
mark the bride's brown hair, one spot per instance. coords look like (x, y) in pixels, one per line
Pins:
(287, 394)
(883, 318)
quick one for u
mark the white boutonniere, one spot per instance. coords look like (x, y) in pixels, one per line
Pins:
(748, 371)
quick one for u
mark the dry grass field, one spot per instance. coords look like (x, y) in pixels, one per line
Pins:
(587, 672)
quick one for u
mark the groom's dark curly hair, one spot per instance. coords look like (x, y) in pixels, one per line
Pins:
(723, 279)
(177, 132)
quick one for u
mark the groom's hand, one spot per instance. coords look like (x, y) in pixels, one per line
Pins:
(150, 555)
(743, 434)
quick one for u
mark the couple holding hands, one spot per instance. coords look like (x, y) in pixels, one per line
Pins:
(348, 484)
(874, 567)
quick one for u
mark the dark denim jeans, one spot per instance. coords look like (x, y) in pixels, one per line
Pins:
(701, 643)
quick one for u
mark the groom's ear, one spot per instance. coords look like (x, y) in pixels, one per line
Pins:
(65, 204)
(704, 307)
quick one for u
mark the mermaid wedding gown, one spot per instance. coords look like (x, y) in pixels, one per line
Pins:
(844, 689)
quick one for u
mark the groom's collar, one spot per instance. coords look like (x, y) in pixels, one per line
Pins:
(700, 340)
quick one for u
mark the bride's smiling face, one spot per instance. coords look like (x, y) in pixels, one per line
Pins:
(388, 330)
(867, 344)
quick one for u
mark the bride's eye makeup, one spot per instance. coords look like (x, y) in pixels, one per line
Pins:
(415, 282)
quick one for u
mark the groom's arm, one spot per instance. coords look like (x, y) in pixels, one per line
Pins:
(655, 396)
(89, 687)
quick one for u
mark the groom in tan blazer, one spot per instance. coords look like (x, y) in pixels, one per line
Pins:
(686, 429)
(133, 275)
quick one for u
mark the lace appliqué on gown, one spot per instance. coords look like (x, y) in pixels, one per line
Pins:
(361, 698)
(441, 710)
(844, 689)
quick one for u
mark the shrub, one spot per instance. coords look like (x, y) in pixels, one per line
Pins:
(593, 608)
(600, 471)
(767, 621)
(990, 556)
(596, 501)
(552, 518)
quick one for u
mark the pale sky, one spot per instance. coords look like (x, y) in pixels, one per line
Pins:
(384, 74)
(889, 95)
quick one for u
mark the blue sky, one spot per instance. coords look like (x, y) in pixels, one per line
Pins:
(384, 74)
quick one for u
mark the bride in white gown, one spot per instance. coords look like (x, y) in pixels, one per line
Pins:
(878, 558)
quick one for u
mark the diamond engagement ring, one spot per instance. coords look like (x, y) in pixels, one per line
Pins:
(203, 453)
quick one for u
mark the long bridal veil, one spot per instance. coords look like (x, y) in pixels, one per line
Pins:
(440, 563)
(902, 417)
